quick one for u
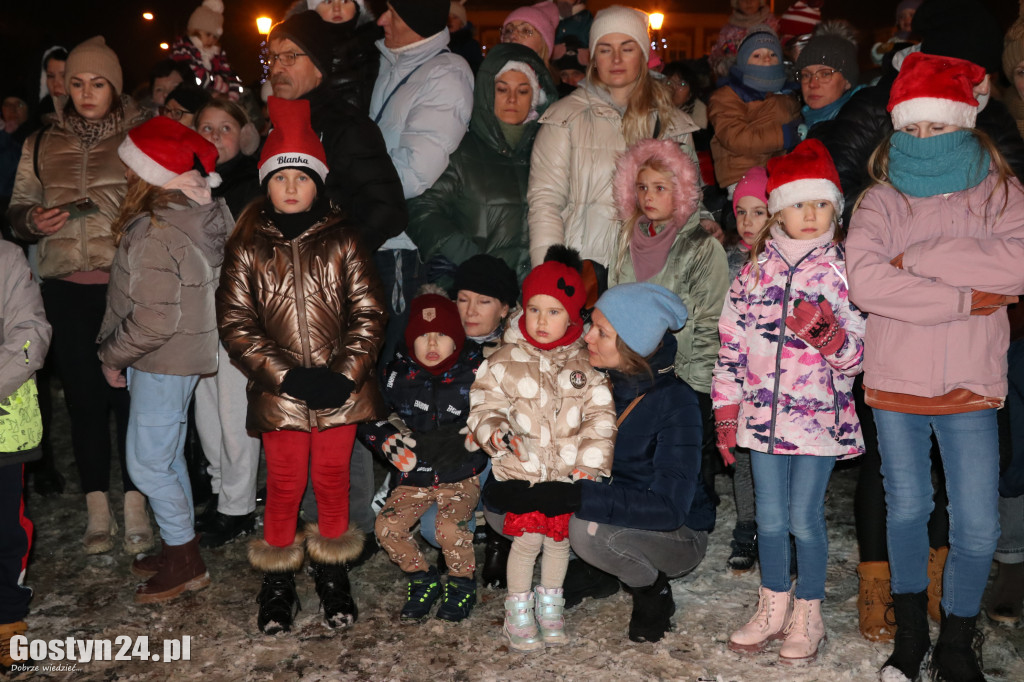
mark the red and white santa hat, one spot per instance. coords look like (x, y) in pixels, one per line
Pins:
(936, 89)
(161, 149)
(805, 174)
(292, 142)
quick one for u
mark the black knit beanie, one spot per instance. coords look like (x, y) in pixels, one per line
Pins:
(488, 275)
(833, 51)
(963, 29)
(426, 17)
(311, 33)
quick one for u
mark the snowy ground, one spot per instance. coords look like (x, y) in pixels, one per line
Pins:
(91, 598)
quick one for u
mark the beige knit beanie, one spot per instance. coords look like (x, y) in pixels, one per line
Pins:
(1013, 45)
(619, 19)
(93, 56)
(208, 17)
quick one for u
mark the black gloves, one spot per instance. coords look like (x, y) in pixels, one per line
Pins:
(319, 387)
(518, 497)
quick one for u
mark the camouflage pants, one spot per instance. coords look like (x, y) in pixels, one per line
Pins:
(456, 504)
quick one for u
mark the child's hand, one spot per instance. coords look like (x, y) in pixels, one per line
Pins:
(817, 326)
(398, 449)
(504, 440)
(726, 424)
(114, 377)
(984, 303)
(471, 444)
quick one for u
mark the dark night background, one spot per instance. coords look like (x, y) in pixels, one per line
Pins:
(27, 28)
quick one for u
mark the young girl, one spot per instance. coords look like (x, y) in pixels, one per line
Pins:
(755, 112)
(200, 49)
(160, 327)
(935, 254)
(791, 345)
(427, 388)
(301, 311)
(750, 208)
(546, 418)
(661, 241)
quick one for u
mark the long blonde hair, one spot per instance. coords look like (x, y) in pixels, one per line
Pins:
(142, 198)
(647, 94)
(878, 169)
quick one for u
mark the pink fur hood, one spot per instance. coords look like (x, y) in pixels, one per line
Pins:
(686, 192)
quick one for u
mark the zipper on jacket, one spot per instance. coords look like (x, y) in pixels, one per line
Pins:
(782, 341)
(83, 222)
(300, 310)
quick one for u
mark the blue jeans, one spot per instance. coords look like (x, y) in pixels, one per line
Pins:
(427, 521)
(789, 493)
(156, 449)
(969, 447)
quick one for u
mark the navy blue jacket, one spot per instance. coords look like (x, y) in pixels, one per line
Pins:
(656, 482)
(434, 408)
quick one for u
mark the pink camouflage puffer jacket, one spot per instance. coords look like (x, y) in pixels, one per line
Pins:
(793, 400)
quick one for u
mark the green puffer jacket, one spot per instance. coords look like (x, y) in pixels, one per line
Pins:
(478, 205)
(697, 271)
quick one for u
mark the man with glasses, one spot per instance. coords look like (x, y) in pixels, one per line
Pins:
(362, 181)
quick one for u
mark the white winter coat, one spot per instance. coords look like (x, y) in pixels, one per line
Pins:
(570, 191)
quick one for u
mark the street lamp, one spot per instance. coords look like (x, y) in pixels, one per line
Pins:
(263, 25)
(164, 46)
(657, 19)
(148, 16)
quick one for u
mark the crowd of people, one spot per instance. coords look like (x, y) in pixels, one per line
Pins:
(553, 290)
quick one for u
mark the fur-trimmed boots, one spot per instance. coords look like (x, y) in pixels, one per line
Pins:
(278, 599)
(329, 558)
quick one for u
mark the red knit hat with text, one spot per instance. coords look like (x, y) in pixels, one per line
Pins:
(161, 149)
(560, 281)
(805, 174)
(435, 313)
(292, 142)
(935, 89)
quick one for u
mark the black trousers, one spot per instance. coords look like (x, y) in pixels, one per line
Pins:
(75, 311)
(15, 540)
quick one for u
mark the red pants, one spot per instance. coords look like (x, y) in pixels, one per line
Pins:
(290, 456)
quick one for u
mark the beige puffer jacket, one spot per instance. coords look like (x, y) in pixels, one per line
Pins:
(160, 314)
(68, 171)
(554, 400)
(571, 169)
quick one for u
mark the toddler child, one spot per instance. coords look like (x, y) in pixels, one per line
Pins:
(546, 418)
(200, 50)
(791, 345)
(427, 388)
(301, 311)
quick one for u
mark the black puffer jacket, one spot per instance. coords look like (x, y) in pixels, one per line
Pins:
(434, 408)
(362, 180)
(863, 123)
(239, 183)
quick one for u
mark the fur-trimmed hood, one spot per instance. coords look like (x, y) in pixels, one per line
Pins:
(686, 192)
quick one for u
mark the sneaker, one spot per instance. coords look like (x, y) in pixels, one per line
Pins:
(423, 589)
(459, 598)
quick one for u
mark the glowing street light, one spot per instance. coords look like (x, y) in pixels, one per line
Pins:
(263, 25)
(148, 16)
(164, 46)
(657, 19)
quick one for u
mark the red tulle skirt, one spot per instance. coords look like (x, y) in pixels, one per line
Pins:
(554, 527)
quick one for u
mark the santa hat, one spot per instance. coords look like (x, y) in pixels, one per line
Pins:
(935, 89)
(208, 17)
(560, 280)
(435, 313)
(800, 19)
(805, 174)
(161, 149)
(292, 143)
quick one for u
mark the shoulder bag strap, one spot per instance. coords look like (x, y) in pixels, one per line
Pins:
(629, 408)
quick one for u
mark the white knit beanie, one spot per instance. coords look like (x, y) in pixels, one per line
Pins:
(620, 19)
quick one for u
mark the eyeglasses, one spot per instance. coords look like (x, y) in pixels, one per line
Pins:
(823, 75)
(677, 86)
(524, 31)
(174, 114)
(286, 58)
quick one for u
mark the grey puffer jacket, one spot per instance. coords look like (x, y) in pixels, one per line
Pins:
(160, 309)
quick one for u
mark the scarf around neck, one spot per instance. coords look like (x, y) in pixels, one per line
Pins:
(814, 116)
(574, 332)
(794, 250)
(929, 166)
(91, 133)
(764, 79)
(650, 253)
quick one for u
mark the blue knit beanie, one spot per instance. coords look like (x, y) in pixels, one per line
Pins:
(761, 78)
(641, 313)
